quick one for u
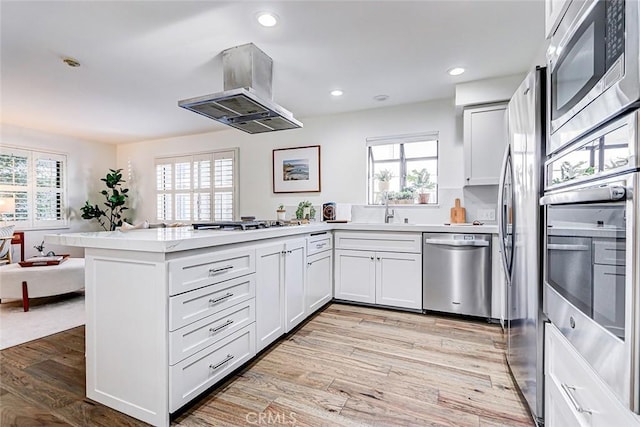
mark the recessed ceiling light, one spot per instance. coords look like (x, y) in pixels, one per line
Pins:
(267, 19)
(336, 92)
(456, 71)
(381, 97)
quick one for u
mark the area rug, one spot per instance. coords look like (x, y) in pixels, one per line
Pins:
(46, 316)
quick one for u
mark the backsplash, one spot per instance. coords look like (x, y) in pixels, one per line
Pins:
(473, 199)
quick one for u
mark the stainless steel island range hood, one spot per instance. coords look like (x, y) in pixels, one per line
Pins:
(246, 103)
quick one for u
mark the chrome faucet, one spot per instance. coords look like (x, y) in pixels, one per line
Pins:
(388, 214)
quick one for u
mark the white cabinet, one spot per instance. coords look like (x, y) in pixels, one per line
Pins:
(574, 394)
(553, 12)
(379, 276)
(319, 286)
(294, 283)
(485, 138)
(269, 294)
(280, 302)
(355, 276)
(399, 279)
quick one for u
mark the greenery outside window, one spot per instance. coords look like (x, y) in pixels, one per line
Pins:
(36, 180)
(403, 169)
(198, 187)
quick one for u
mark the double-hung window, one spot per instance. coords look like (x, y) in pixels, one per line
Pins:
(198, 187)
(403, 169)
(36, 181)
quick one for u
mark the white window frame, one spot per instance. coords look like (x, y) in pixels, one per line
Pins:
(32, 190)
(171, 192)
(403, 139)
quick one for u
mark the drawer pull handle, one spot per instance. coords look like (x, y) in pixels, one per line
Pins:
(222, 298)
(226, 359)
(569, 391)
(320, 245)
(214, 271)
(224, 325)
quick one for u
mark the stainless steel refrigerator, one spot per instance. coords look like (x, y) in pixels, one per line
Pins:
(520, 237)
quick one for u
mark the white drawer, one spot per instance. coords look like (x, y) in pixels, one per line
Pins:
(319, 243)
(195, 374)
(189, 273)
(388, 242)
(195, 305)
(611, 252)
(201, 334)
(590, 400)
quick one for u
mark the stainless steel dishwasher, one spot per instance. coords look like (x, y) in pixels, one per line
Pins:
(456, 273)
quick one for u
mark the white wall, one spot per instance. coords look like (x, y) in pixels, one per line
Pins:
(87, 162)
(343, 156)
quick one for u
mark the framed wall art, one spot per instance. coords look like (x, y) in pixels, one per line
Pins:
(296, 170)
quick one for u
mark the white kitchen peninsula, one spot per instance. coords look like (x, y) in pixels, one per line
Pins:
(171, 311)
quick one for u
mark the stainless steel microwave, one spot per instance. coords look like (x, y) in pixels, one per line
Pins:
(593, 66)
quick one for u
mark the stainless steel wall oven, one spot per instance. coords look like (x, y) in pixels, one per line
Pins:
(593, 67)
(591, 251)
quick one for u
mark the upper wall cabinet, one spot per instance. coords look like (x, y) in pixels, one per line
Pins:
(553, 11)
(485, 138)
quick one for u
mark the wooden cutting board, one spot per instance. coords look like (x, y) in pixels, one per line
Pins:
(458, 214)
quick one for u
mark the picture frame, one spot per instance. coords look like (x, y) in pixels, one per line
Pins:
(296, 170)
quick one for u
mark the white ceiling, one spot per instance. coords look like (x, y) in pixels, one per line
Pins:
(140, 57)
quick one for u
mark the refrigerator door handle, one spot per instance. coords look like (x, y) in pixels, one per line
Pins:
(501, 219)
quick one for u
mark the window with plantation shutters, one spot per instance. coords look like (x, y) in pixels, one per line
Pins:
(199, 188)
(37, 182)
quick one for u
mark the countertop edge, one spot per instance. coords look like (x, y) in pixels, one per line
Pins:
(167, 240)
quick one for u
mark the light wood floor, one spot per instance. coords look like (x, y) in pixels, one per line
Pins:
(347, 366)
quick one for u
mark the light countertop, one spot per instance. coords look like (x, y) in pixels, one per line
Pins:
(185, 238)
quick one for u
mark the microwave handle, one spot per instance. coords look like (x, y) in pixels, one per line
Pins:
(600, 194)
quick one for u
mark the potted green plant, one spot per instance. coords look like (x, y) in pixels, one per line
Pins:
(115, 199)
(421, 183)
(406, 196)
(305, 210)
(281, 213)
(383, 177)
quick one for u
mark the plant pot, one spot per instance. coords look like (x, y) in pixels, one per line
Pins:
(281, 215)
(383, 186)
(423, 198)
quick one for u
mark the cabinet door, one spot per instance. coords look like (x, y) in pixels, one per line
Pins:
(269, 294)
(578, 395)
(355, 276)
(319, 288)
(294, 283)
(558, 411)
(485, 138)
(399, 279)
(553, 12)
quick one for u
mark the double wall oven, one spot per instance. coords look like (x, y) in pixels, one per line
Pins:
(591, 251)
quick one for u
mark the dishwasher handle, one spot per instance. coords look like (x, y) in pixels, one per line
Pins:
(449, 242)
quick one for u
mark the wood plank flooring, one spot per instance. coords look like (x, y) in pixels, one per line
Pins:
(347, 366)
